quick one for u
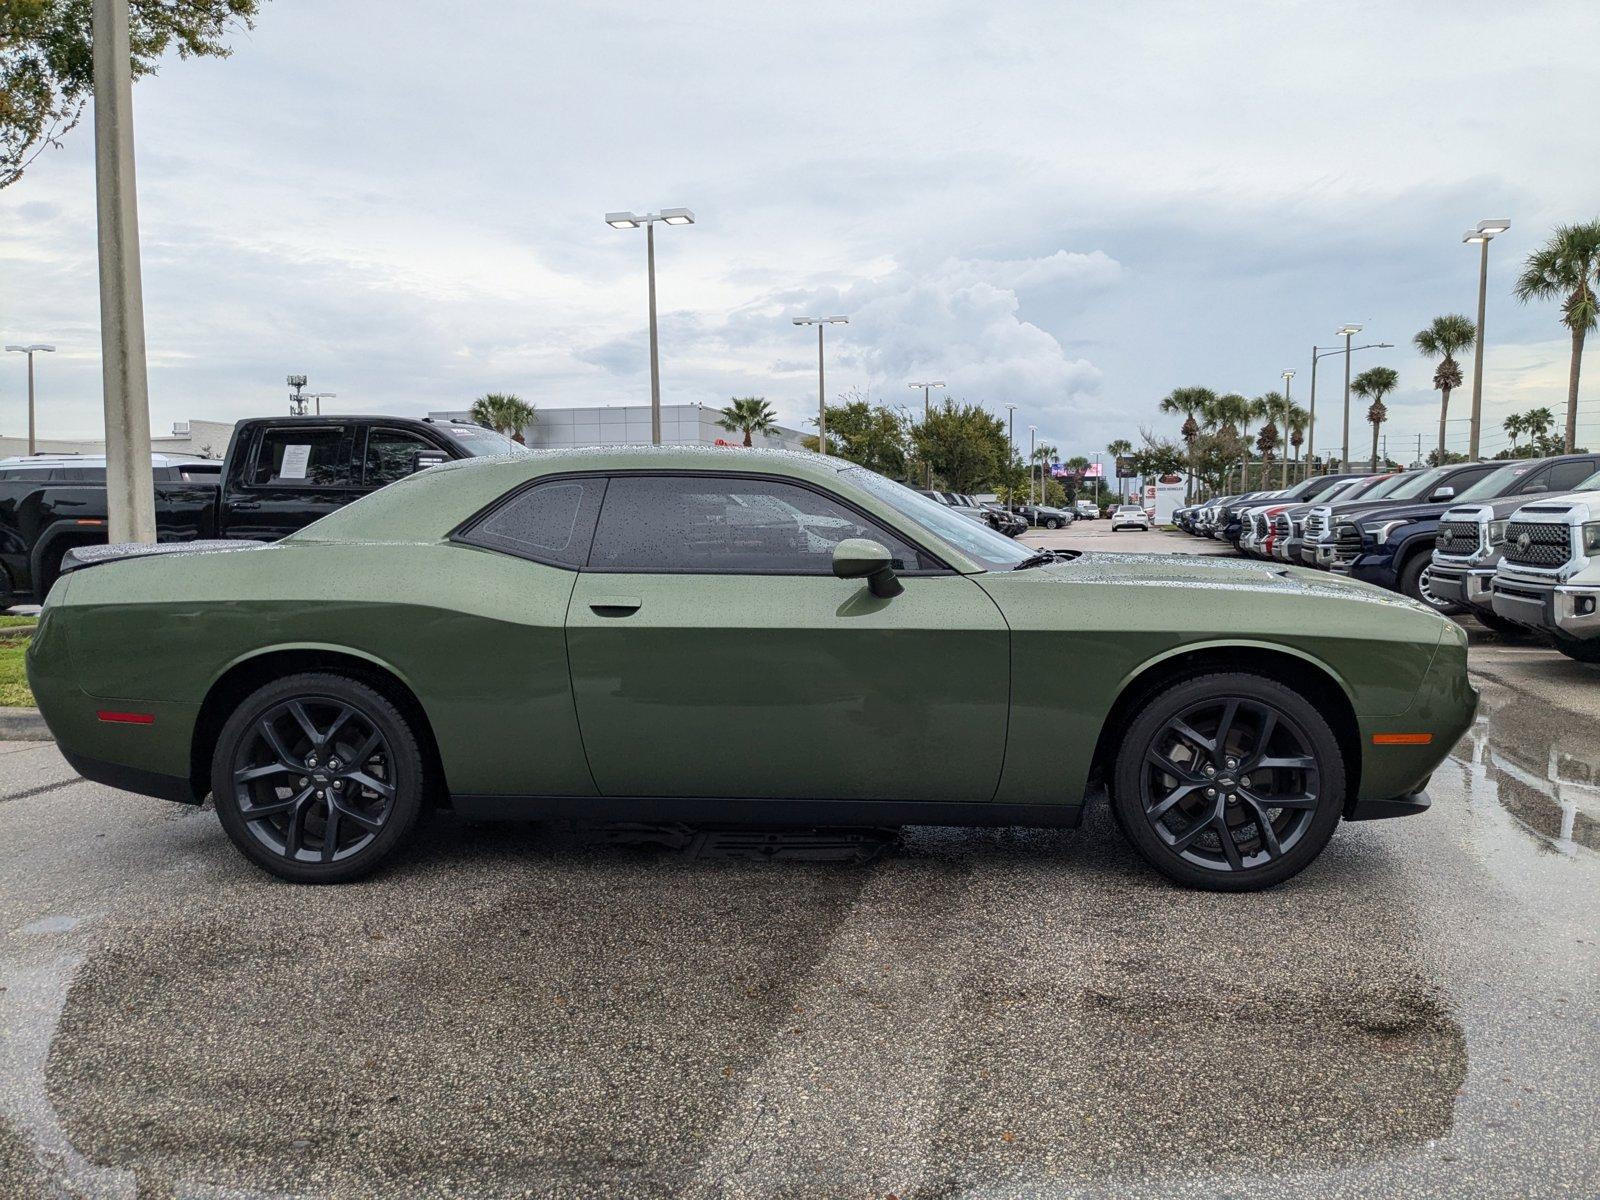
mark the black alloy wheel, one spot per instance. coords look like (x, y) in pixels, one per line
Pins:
(1229, 782)
(317, 777)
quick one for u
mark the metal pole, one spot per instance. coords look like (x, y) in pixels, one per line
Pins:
(822, 398)
(32, 449)
(655, 348)
(1030, 466)
(927, 411)
(130, 483)
(1344, 448)
(1283, 444)
(1477, 358)
(1311, 418)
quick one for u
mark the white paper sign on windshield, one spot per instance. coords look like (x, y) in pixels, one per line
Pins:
(295, 461)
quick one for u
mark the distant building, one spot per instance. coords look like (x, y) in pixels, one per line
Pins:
(202, 439)
(681, 424)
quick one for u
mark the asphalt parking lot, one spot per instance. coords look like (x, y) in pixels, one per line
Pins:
(529, 1010)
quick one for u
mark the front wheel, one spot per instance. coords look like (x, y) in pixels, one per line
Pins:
(1052, 523)
(317, 778)
(1414, 579)
(1229, 782)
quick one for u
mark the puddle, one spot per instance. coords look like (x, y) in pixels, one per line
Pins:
(1541, 767)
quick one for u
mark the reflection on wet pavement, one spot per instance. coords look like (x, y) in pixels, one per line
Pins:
(1543, 770)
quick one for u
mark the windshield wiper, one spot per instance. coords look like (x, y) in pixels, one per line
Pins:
(1037, 560)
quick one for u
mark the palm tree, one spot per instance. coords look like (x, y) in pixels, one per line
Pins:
(747, 415)
(1537, 422)
(1374, 384)
(1192, 402)
(1515, 426)
(1119, 449)
(503, 412)
(1043, 455)
(1228, 413)
(1444, 339)
(1267, 442)
(1296, 420)
(1561, 269)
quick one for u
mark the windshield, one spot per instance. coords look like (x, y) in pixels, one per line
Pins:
(1495, 482)
(484, 443)
(973, 538)
(1387, 487)
(1419, 485)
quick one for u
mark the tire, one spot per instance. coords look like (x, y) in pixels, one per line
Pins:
(369, 824)
(1178, 841)
(1052, 523)
(1414, 583)
(1579, 649)
(1501, 627)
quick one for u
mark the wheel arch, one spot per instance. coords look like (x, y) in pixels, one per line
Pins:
(249, 672)
(1293, 668)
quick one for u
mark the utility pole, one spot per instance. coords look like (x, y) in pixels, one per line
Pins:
(927, 411)
(1011, 437)
(1283, 446)
(130, 482)
(1349, 331)
(30, 350)
(1483, 235)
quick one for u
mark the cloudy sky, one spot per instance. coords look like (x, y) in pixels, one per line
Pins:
(1069, 207)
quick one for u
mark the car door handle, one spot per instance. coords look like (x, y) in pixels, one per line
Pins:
(243, 504)
(616, 606)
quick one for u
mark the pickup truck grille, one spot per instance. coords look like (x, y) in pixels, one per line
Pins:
(1283, 526)
(1261, 525)
(1458, 538)
(1547, 545)
(1315, 524)
(1346, 540)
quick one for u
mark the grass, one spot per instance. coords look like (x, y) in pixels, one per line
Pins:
(14, 691)
(7, 620)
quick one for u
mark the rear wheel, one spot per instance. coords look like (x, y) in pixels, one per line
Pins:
(1229, 782)
(1052, 523)
(317, 778)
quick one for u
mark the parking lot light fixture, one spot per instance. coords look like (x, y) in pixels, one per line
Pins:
(1481, 237)
(1347, 332)
(1284, 445)
(822, 387)
(30, 350)
(631, 220)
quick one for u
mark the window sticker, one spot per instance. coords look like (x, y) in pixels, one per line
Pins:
(295, 461)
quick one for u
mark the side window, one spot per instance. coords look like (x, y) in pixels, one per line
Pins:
(388, 456)
(719, 524)
(551, 522)
(1563, 477)
(301, 456)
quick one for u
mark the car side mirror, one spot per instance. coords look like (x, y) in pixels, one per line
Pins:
(1444, 493)
(863, 558)
(421, 460)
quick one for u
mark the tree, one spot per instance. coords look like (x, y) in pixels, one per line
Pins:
(1043, 455)
(1296, 420)
(1538, 422)
(1267, 441)
(1231, 413)
(1192, 402)
(1444, 339)
(503, 412)
(869, 434)
(47, 62)
(1119, 449)
(1515, 426)
(750, 414)
(1562, 269)
(965, 445)
(1374, 384)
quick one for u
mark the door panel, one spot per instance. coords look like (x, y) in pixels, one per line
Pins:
(788, 686)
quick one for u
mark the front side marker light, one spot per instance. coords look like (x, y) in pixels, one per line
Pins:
(1401, 739)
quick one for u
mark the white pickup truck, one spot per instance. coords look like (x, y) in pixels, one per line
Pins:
(1548, 576)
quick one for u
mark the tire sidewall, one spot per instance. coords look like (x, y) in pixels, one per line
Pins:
(1127, 803)
(407, 765)
(1411, 583)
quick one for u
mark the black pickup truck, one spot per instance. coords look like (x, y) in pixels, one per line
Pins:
(280, 474)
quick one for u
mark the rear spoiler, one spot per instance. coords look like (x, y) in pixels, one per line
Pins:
(80, 557)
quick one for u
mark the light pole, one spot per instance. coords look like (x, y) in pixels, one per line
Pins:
(319, 397)
(1011, 435)
(30, 350)
(1347, 332)
(628, 220)
(927, 409)
(1317, 353)
(822, 387)
(1482, 235)
(1283, 447)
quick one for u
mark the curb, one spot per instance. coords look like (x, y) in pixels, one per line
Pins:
(23, 725)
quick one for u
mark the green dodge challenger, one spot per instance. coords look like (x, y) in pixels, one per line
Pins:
(713, 635)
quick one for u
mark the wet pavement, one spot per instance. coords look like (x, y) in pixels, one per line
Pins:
(518, 1010)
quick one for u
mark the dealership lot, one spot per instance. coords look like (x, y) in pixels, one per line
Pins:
(515, 1010)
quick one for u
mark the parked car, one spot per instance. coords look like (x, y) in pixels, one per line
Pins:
(1397, 541)
(965, 505)
(1046, 517)
(1470, 540)
(676, 632)
(1255, 523)
(1333, 531)
(1129, 516)
(1086, 510)
(1548, 577)
(279, 474)
(1003, 519)
(1288, 532)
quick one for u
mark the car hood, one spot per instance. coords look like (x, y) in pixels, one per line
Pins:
(1208, 573)
(1415, 512)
